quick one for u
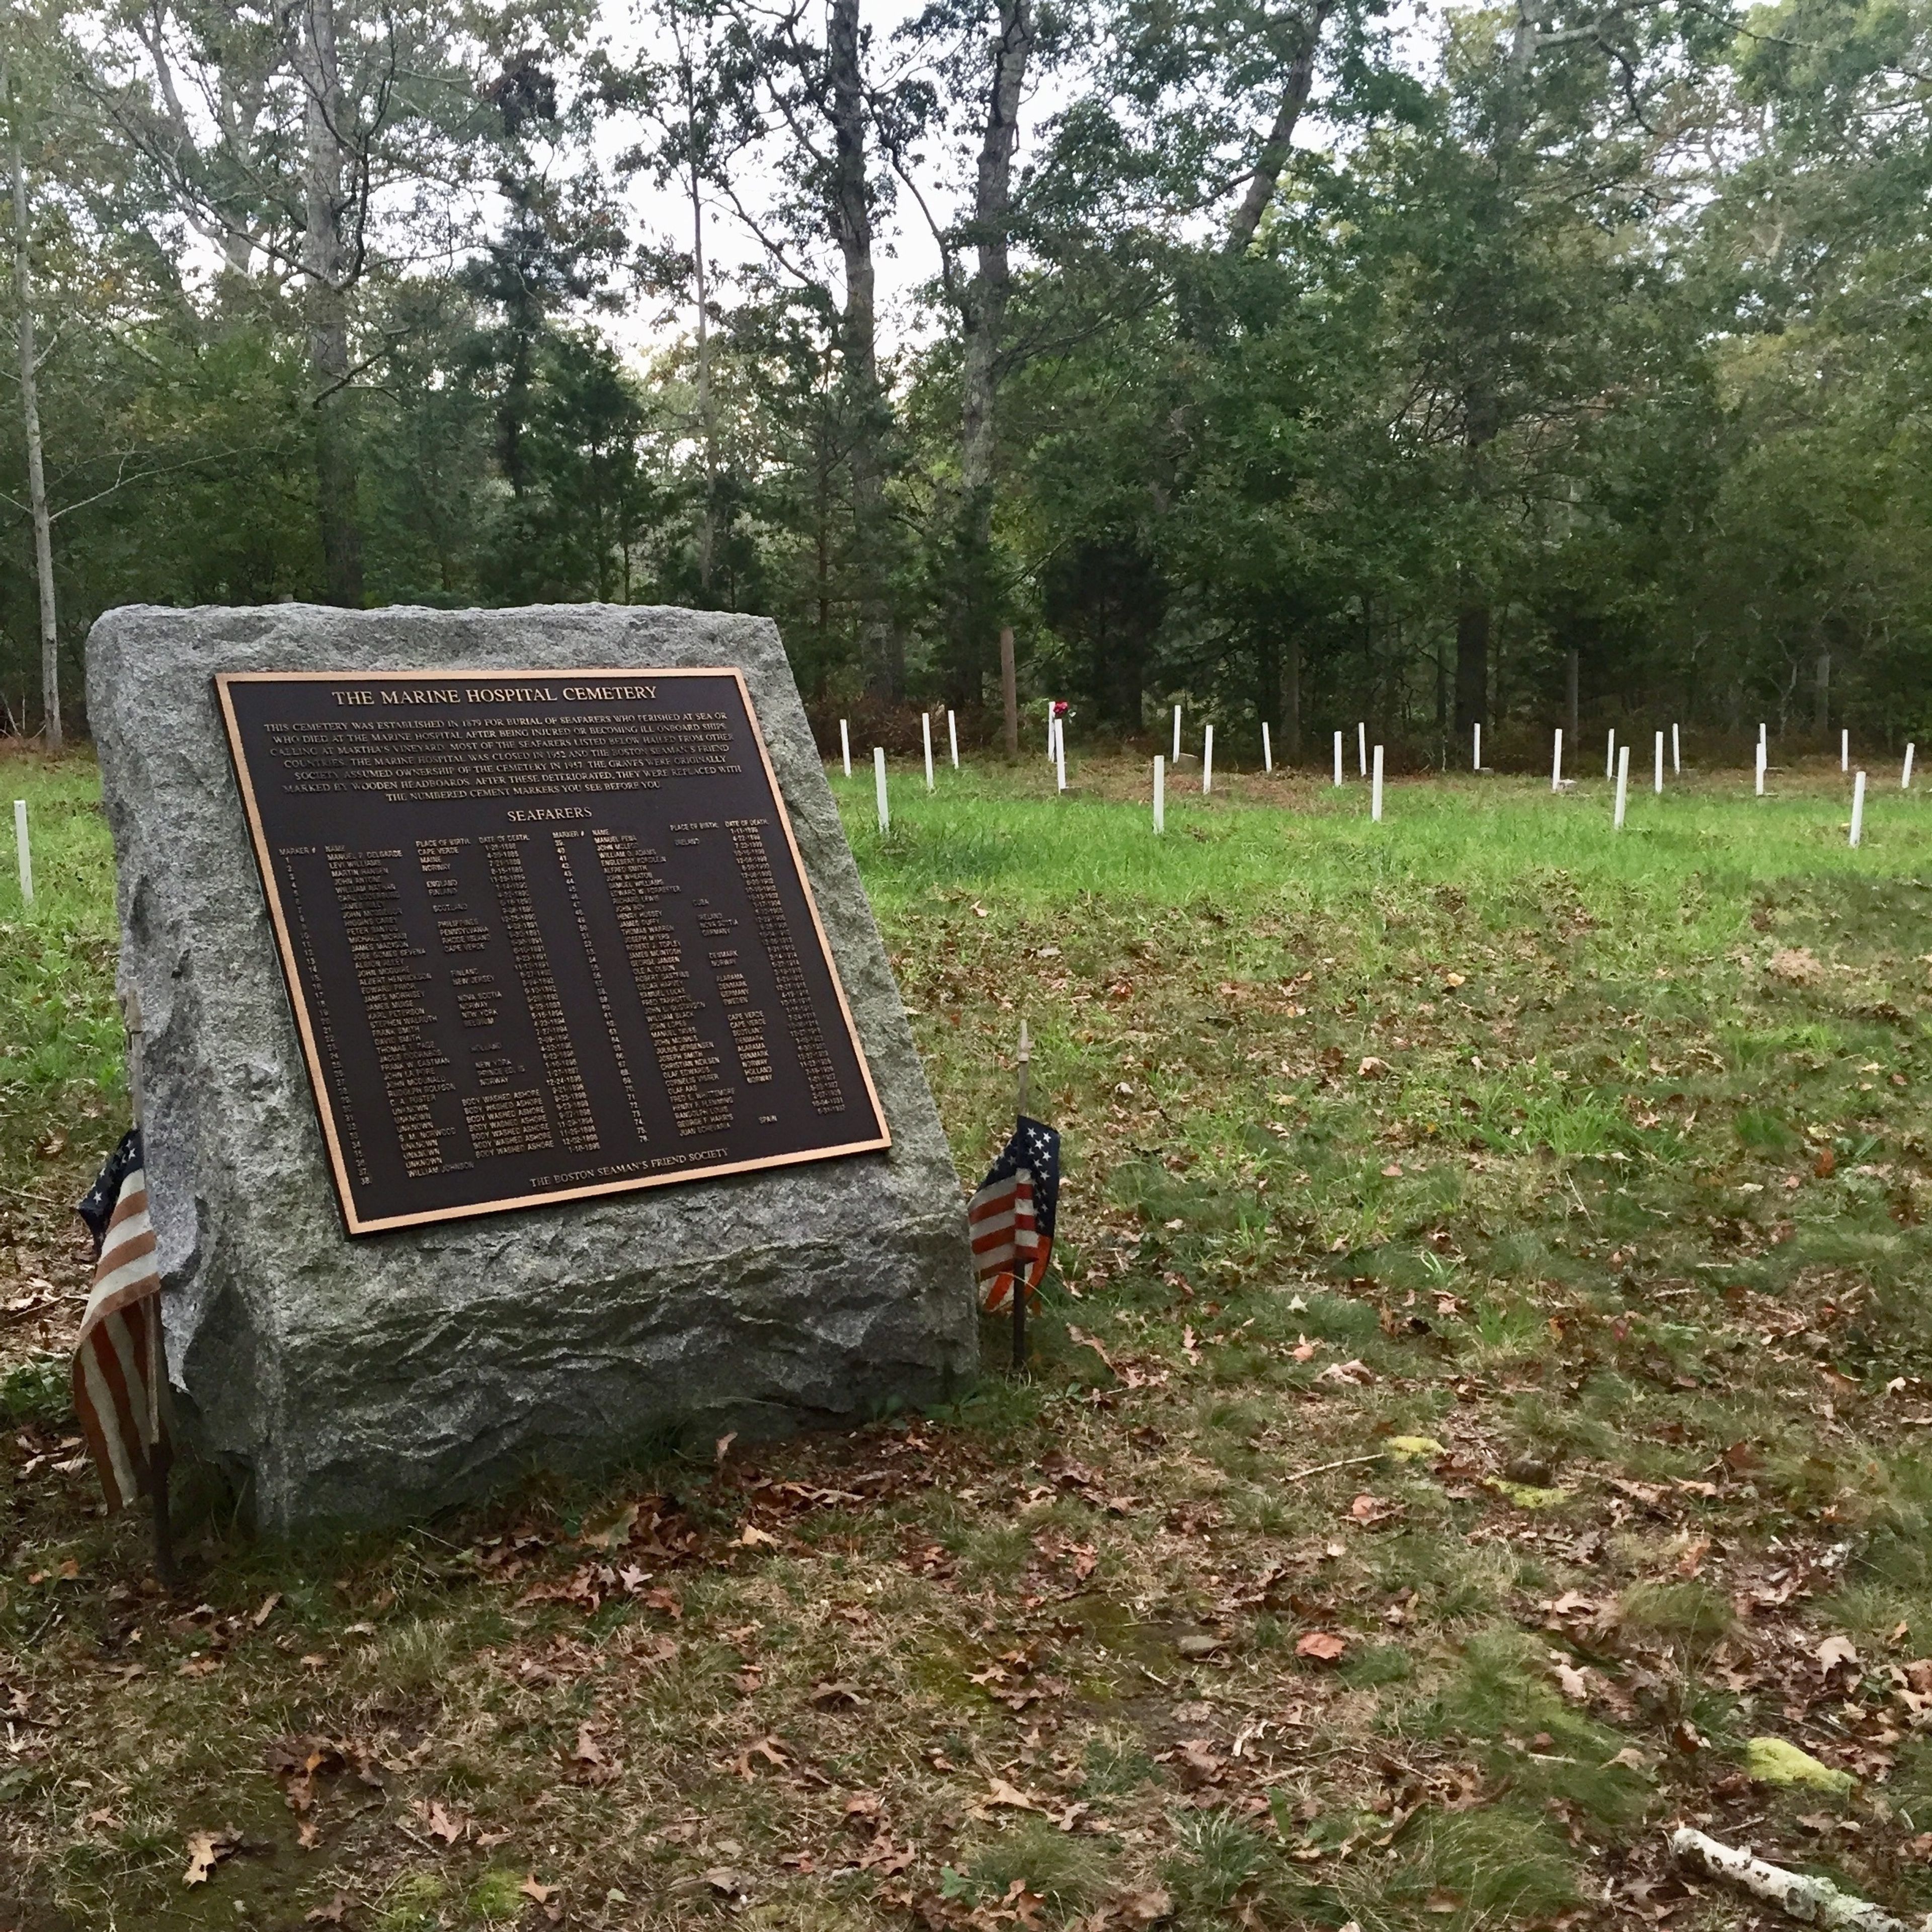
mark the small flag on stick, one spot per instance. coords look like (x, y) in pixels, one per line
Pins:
(1010, 1220)
(117, 1363)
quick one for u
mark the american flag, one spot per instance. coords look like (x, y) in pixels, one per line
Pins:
(117, 1363)
(1010, 1220)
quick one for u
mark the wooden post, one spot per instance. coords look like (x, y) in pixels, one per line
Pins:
(1009, 691)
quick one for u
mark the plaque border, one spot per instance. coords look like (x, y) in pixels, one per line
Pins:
(292, 980)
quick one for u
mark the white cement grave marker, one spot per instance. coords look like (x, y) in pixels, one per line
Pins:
(1207, 760)
(952, 739)
(23, 850)
(1361, 751)
(1338, 757)
(1623, 783)
(1844, 751)
(1660, 764)
(845, 746)
(1905, 777)
(1676, 753)
(1268, 753)
(1478, 763)
(1160, 793)
(925, 731)
(1376, 796)
(1556, 763)
(1760, 768)
(879, 780)
(1176, 734)
(1610, 755)
(1060, 757)
(1858, 807)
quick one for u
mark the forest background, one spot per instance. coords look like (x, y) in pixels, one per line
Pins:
(1298, 359)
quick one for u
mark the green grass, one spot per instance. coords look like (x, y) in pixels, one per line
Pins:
(1604, 1160)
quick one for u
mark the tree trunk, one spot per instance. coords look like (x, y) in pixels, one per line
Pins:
(882, 650)
(1570, 695)
(707, 427)
(36, 486)
(1273, 156)
(1009, 691)
(1291, 701)
(984, 314)
(1472, 667)
(329, 271)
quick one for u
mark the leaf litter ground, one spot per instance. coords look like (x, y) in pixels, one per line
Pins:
(1478, 1420)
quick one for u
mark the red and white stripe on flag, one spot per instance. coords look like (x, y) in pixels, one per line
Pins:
(119, 1346)
(1000, 1223)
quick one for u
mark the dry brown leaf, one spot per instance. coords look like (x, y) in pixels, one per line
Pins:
(530, 1888)
(1324, 1646)
(1144, 1908)
(1001, 1796)
(205, 1850)
(268, 1608)
(752, 1537)
(333, 1913)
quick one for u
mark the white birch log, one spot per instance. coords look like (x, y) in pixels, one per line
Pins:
(1815, 1901)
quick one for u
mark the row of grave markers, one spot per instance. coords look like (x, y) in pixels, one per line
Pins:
(1616, 767)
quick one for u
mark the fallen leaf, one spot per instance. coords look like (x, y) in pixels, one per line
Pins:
(1001, 1796)
(615, 1533)
(1324, 1646)
(268, 1608)
(205, 1850)
(1144, 1908)
(1835, 1651)
(333, 1913)
(752, 1537)
(1356, 1374)
(530, 1888)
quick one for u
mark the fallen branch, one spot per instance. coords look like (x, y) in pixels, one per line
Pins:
(1815, 1901)
(1346, 1463)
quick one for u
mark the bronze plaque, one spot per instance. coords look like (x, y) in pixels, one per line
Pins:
(546, 934)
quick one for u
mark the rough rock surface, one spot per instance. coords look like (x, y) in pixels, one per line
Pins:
(390, 1376)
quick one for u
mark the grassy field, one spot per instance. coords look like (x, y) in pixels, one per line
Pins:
(1484, 1395)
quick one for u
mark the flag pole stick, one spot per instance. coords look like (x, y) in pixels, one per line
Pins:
(159, 1451)
(1019, 1269)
